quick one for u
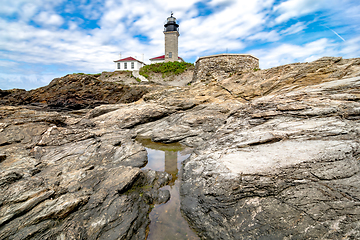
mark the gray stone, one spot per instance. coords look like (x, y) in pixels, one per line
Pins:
(275, 155)
(221, 66)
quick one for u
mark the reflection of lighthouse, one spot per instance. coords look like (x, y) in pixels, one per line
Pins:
(171, 165)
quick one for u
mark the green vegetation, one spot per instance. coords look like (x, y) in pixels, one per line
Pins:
(145, 75)
(167, 69)
(95, 74)
(138, 79)
(256, 69)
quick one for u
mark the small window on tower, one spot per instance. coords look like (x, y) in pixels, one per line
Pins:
(170, 54)
(132, 65)
(125, 65)
(118, 65)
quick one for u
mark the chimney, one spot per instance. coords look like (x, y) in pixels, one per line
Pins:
(142, 57)
(120, 55)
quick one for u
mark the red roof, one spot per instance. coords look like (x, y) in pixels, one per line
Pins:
(128, 59)
(162, 57)
(158, 58)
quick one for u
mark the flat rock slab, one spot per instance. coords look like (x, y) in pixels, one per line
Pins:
(271, 158)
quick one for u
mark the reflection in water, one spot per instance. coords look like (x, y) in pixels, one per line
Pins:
(171, 165)
(166, 219)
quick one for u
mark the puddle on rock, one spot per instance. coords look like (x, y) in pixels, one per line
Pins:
(166, 219)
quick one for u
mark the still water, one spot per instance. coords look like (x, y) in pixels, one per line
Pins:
(166, 219)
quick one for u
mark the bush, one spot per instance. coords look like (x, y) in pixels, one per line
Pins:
(166, 68)
(96, 74)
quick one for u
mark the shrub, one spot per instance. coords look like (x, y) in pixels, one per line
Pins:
(166, 68)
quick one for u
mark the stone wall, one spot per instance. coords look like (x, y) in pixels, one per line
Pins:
(171, 45)
(221, 66)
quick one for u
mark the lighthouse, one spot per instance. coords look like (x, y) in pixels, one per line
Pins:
(171, 32)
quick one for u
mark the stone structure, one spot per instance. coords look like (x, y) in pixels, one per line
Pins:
(221, 66)
(171, 32)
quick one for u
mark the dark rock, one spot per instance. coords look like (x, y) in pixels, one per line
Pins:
(9, 177)
(2, 157)
(74, 92)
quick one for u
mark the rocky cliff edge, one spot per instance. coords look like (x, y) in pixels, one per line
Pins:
(276, 156)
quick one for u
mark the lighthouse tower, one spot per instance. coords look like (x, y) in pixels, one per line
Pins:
(171, 32)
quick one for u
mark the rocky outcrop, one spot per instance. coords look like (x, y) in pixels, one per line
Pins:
(222, 66)
(74, 92)
(281, 166)
(280, 161)
(61, 178)
(178, 80)
(286, 78)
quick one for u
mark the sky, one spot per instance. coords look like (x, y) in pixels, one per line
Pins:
(44, 39)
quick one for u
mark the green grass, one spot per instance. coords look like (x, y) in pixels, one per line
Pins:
(90, 74)
(167, 69)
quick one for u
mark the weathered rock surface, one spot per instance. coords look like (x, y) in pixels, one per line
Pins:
(281, 167)
(222, 66)
(279, 80)
(279, 161)
(173, 80)
(62, 179)
(120, 77)
(74, 92)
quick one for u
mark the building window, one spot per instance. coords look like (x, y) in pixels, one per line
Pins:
(170, 54)
(118, 65)
(125, 65)
(132, 65)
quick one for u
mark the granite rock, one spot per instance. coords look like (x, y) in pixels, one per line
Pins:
(275, 156)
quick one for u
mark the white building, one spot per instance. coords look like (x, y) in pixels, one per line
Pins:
(128, 64)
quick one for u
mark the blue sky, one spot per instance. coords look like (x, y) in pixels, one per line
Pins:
(44, 39)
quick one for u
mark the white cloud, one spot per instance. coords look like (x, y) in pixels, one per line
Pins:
(289, 53)
(24, 81)
(295, 28)
(296, 8)
(271, 36)
(122, 25)
(351, 48)
(47, 18)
